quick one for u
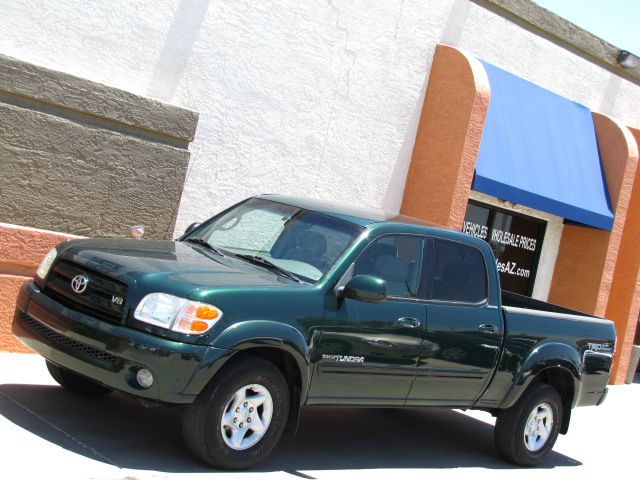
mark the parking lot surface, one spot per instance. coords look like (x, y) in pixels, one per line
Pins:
(49, 433)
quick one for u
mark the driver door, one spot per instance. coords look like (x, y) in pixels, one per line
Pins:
(368, 352)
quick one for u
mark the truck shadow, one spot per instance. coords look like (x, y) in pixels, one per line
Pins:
(116, 429)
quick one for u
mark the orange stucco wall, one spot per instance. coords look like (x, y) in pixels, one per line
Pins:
(593, 265)
(578, 272)
(21, 249)
(624, 300)
(9, 286)
(448, 139)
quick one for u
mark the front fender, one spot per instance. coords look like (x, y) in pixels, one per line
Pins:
(268, 333)
(543, 357)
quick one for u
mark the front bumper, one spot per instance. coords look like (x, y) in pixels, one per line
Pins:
(113, 354)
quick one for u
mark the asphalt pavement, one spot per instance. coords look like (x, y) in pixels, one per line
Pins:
(48, 433)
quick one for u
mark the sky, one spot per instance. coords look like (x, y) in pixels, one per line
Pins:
(616, 21)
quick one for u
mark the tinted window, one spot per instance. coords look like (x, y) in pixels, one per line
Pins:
(459, 273)
(397, 259)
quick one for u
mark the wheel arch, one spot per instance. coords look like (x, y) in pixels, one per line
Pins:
(278, 343)
(556, 364)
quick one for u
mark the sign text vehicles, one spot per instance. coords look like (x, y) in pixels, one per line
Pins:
(475, 230)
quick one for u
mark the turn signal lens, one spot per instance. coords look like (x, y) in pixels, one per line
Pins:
(199, 326)
(196, 318)
(205, 312)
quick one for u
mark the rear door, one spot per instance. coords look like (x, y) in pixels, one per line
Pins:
(464, 332)
(368, 352)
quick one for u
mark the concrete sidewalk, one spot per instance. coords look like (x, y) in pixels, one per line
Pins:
(49, 433)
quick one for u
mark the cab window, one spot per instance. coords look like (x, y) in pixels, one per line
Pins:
(397, 259)
(459, 273)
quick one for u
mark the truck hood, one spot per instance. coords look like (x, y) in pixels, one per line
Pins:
(173, 267)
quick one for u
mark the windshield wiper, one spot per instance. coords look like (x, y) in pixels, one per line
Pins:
(202, 242)
(267, 263)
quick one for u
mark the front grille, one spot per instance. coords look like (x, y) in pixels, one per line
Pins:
(97, 300)
(69, 345)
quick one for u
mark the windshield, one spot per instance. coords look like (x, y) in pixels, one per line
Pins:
(300, 241)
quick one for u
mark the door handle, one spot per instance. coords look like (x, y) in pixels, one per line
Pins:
(409, 322)
(487, 328)
(379, 343)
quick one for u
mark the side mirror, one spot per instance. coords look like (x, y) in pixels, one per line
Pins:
(191, 228)
(365, 288)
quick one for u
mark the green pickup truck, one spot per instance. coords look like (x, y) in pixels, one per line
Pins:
(279, 303)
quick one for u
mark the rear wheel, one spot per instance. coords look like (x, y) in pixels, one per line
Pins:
(526, 432)
(76, 383)
(239, 418)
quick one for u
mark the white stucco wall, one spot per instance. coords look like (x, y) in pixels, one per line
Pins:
(496, 40)
(312, 98)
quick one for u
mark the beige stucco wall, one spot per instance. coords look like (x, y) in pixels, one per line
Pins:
(82, 158)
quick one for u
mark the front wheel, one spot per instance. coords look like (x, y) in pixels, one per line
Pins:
(526, 432)
(238, 419)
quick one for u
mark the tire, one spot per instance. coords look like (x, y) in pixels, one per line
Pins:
(76, 383)
(526, 432)
(217, 425)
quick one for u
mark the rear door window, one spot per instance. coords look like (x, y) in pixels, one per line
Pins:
(459, 273)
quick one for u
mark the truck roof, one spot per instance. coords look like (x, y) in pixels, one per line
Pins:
(359, 215)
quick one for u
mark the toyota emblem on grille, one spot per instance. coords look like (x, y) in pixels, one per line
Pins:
(79, 283)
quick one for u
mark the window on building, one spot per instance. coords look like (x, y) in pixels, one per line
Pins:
(516, 241)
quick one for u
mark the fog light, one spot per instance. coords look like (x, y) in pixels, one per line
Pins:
(144, 378)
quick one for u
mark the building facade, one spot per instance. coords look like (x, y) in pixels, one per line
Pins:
(495, 117)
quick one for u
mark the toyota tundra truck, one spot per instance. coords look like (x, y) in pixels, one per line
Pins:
(279, 303)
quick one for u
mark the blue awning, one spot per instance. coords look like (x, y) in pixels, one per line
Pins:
(539, 149)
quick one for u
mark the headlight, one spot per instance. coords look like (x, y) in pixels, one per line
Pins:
(177, 314)
(45, 264)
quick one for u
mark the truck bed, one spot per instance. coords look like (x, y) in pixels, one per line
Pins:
(538, 334)
(510, 299)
